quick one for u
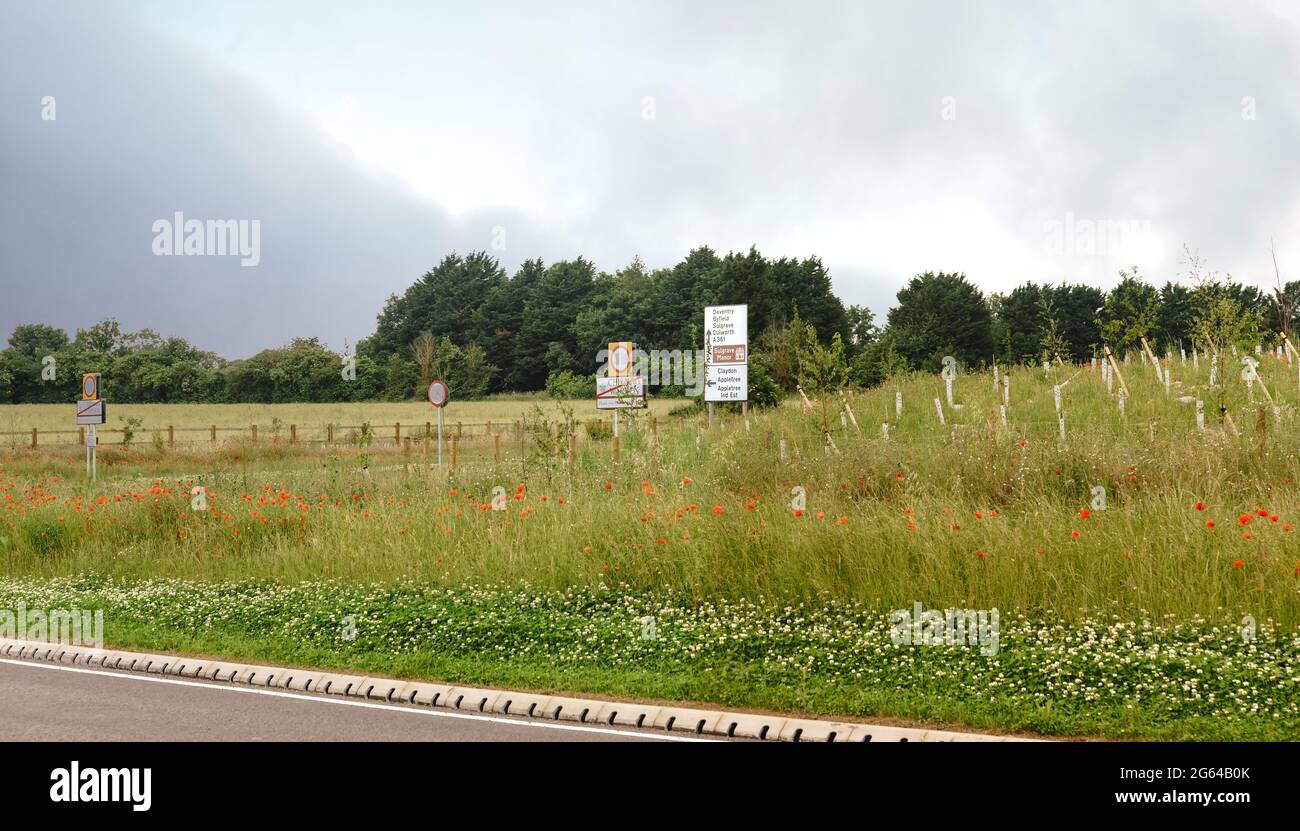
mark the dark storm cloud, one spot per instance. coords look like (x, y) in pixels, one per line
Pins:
(803, 128)
(144, 129)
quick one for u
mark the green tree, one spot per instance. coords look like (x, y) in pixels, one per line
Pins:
(35, 353)
(1220, 321)
(1129, 313)
(1050, 341)
(548, 337)
(941, 314)
(1020, 315)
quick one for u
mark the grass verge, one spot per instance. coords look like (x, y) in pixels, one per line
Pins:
(1101, 676)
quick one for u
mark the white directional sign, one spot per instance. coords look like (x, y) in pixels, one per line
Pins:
(726, 353)
(729, 382)
(623, 393)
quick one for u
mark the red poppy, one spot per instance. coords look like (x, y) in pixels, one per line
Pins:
(1200, 506)
(717, 510)
(1238, 564)
(1085, 513)
(1209, 523)
(1074, 534)
(1244, 519)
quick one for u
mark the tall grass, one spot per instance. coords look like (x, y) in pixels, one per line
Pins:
(968, 514)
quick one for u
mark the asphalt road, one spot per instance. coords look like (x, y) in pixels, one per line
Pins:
(51, 702)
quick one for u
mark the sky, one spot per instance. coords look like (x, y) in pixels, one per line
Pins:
(1009, 141)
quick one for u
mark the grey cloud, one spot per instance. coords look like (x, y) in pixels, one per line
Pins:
(803, 128)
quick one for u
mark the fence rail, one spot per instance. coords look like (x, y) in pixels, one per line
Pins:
(395, 434)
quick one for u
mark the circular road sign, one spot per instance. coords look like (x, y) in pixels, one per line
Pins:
(620, 358)
(438, 394)
(90, 386)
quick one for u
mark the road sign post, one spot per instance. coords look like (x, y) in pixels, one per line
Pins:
(91, 410)
(726, 356)
(438, 397)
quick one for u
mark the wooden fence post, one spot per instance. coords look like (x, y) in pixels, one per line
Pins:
(214, 434)
(171, 436)
(454, 444)
(81, 436)
(329, 433)
(397, 432)
(458, 429)
(293, 434)
(496, 448)
(33, 437)
(254, 429)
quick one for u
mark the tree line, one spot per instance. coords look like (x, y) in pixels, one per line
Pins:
(470, 322)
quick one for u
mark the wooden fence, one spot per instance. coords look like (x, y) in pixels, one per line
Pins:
(396, 435)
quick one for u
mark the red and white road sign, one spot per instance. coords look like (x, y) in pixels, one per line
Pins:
(438, 394)
(620, 393)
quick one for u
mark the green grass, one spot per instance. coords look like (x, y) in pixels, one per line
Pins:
(968, 514)
(1105, 676)
(192, 422)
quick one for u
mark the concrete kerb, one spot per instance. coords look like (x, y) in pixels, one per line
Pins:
(490, 701)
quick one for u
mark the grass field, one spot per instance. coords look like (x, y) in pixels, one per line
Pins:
(1189, 570)
(193, 421)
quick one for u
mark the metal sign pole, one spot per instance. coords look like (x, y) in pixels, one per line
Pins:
(616, 424)
(440, 437)
(94, 456)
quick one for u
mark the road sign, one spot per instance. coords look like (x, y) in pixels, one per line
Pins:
(90, 386)
(620, 359)
(438, 394)
(728, 382)
(92, 412)
(620, 393)
(726, 353)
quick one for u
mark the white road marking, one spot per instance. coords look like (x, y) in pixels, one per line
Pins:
(371, 704)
